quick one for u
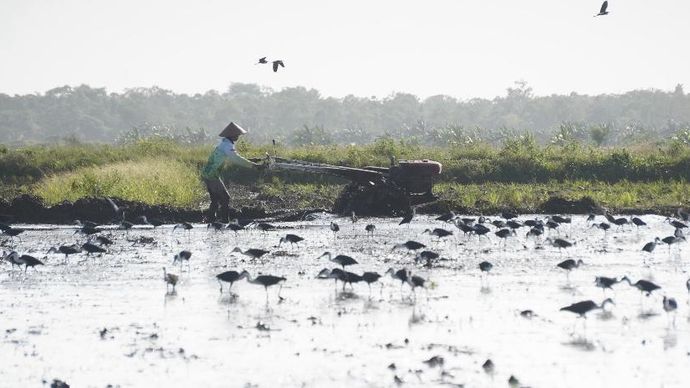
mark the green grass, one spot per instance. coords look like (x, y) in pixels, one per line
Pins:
(520, 174)
(159, 182)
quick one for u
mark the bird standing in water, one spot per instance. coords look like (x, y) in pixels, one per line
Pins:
(266, 281)
(170, 280)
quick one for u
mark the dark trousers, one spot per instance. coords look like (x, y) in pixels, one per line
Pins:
(219, 197)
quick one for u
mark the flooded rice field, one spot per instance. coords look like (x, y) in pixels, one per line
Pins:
(94, 321)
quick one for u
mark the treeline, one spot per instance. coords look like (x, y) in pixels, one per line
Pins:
(300, 116)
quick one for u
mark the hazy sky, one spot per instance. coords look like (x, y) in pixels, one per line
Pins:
(461, 48)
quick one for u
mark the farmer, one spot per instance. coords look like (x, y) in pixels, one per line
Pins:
(211, 172)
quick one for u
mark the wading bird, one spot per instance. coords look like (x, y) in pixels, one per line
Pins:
(371, 277)
(400, 274)
(603, 10)
(410, 245)
(561, 220)
(604, 282)
(118, 211)
(266, 281)
(104, 240)
(184, 225)
(371, 228)
(569, 265)
(65, 250)
(638, 221)
(670, 240)
(341, 260)
(13, 232)
(670, 305)
(438, 232)
(230, 277)
(645, 286)
(12, 257)
(235, 226)
(265, 227)
(415, 281)
(582, 308)
(182, 256)
(480, 230)
(92, 248)
(291, 238)
(683, 215)
(603, 226)
(559, 243)
(485, 267)
(408, 217)
(649, 247)
(170, 280)
(427, 256)
(29, 261)
(335, 228)
(504, 234)
(508, 215)
(446, 217)
(217, 226)
(254, 253)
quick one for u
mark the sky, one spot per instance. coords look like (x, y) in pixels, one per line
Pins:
(464, 49)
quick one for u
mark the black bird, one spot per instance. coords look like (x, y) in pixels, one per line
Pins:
(512, 224)
(408, 217)
(559, 243)
(13, 258)
(344, 276)
(561, 219)
(504, 233)
(446, 217)
(582, 308)
(291, 238)
(29, 261)
(154, 222)
(602, 225)
(13, 232)
(616, 221)
(591, 217)
(670, 240)
(438, 232)
(217, 226)
(603, 11)
(415, 281)
(235, 226)
(552, 224)
(230, 277)
(649, 247)
(508, 215)
(184, 225)
(341, 260)
(534, 223)
(498, 223)
(535, 232)
(182, 256)
(87, 230)
(86, 224)
(265, 280)
(335, 228)
(569, 265)
(276, 64)
(370, 277)
(485, 266)
(126, 225)
(371, 228)
(488, 366)
(4, 227)
(428, 256)
(65, 250)
(104, 240)
(670, 304)
(638, 221)
(604, 282)
(265, 227)
(645, 286)
(683, 215)
(92, 248)
(466, 229)
(409, 245)
(677, 224)
(254, 253)
(262, 61)
(400, 274)
(170, 280)
(119, 212)
(480, 230)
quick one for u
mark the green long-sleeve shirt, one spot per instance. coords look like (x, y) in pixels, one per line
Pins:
(225, 151)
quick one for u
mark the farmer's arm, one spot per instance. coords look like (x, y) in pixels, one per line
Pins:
(236, 159)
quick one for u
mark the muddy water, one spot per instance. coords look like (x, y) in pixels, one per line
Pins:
(51, 319)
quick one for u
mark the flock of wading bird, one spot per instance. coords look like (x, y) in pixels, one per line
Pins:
(506, 224)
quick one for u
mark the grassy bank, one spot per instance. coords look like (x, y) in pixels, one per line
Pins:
(520, 174)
